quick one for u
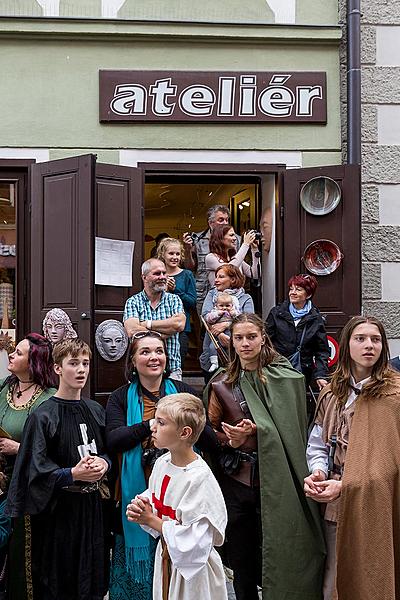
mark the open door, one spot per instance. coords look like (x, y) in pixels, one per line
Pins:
(119, 216)
(73, 200)
(338, 295)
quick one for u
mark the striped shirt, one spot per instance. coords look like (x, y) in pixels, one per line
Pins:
(139, 307)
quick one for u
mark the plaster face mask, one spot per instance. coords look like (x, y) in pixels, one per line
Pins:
(112, 341)
(54, 331)
(57, 326)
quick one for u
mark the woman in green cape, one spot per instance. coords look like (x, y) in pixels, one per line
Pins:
(257, 407)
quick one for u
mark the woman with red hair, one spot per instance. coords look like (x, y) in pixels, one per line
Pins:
(295, 323)
(223, 251)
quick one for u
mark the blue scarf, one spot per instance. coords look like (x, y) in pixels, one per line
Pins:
(298, 313)
(138, 552)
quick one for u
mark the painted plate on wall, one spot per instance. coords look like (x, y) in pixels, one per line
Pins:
(320, 196)
(322, 257)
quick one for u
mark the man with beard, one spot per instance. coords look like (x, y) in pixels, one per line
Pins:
(156, 310)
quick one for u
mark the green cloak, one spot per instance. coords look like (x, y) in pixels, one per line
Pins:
(293, 552)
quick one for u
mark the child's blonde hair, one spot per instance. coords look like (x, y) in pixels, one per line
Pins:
(224, 296)
(163, 247)
(185, 410)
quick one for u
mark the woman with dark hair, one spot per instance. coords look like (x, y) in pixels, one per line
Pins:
(129, 414)
(354, 463)
(258, 410)
(32, 381)
(230, 279)
(223, 251)
(295, 323)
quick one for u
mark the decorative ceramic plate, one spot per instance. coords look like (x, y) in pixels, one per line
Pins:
(320, 196)
(322, 257)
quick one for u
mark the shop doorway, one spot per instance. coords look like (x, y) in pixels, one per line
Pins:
(62, 206)
(174, 206)
(14, 241)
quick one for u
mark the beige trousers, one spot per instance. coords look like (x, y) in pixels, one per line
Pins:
(330, 566)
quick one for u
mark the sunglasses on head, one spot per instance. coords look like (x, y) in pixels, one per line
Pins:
(142, 334)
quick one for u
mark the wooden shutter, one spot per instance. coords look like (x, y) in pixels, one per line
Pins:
(339, 295)
(62, 242)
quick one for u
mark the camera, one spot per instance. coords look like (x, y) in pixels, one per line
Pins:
(258, 235)
(150, 455)
(194, 237)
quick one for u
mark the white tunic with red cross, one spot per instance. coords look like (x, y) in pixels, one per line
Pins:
(190, 502)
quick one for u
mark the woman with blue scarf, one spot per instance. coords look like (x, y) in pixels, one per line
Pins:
(298, 323)
(129, 413)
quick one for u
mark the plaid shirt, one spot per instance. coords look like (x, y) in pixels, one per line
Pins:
(139, 307)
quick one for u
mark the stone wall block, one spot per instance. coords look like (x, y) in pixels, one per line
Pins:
(380, 164)
(380, 85)
(369, 123)
(384, 12)
(380, 243)
(371, 281)
(387, 312)
(368, 44)
(370, 204)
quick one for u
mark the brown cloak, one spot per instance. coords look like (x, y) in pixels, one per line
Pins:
(368, 541)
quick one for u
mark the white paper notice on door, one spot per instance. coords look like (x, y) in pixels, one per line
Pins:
(113, 262)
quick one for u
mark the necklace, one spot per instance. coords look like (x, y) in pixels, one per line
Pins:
(27, 406)
(20, 392)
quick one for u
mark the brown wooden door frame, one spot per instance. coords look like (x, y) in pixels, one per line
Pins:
(17, 171)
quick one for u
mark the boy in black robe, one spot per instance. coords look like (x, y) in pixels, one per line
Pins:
(56, 480)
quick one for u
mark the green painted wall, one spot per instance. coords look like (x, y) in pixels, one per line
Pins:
(261, 11)
(317, 12)
(50, 93)
(192, 10)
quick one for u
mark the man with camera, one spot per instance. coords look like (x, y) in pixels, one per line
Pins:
(197, 247)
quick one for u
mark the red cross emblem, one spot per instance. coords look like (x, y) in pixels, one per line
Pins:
(162, 509)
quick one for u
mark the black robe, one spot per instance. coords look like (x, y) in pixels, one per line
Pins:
(68, 553)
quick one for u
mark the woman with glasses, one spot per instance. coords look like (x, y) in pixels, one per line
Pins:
(297, 323)
(129, 415)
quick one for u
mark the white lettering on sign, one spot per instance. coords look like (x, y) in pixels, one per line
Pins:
(247, 105)
(197, 100)
(7, 250)
(161, 90)
(226, 96)
(306, 94)
(215, 96)
(129, 100)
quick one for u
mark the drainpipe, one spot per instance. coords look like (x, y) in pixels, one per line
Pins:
(353, 83)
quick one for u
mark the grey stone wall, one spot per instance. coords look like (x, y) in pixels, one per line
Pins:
(380, 161)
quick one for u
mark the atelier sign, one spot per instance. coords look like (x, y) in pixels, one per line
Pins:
(197, 96)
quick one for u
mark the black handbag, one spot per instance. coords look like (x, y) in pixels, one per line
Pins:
(295, 358)
(229, 460)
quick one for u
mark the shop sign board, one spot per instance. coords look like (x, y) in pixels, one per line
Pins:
(213, 96)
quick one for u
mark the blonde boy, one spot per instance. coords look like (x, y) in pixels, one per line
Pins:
(184, 506)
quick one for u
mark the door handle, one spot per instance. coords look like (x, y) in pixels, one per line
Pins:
(85, 316)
